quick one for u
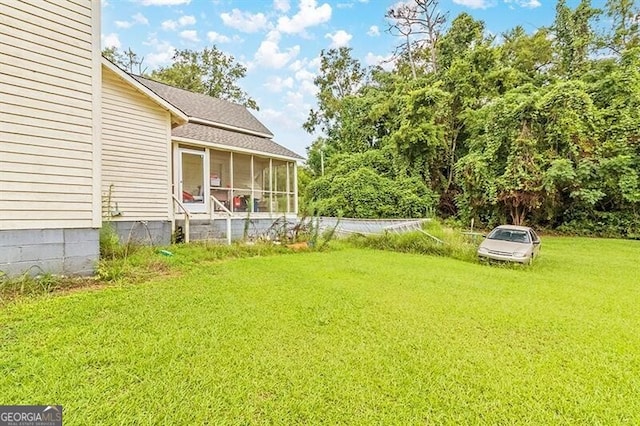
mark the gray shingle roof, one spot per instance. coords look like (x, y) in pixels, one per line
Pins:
(204, 107)
(232, 139)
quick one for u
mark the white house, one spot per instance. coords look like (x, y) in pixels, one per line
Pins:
(82, 141)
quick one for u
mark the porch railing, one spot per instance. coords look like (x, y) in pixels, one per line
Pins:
(222, 207)
(187, 216)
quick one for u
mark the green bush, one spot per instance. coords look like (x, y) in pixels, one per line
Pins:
(604, 224)
(364, 193)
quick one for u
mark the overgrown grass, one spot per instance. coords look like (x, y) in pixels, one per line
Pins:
(29, 284)
(438, 240)
(348, 336)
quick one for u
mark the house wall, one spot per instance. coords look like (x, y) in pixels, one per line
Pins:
(49, 132)
(136, 135)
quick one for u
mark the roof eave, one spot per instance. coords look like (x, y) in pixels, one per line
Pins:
(235, 149)
(178, 116)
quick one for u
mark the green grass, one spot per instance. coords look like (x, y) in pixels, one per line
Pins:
(350, 336)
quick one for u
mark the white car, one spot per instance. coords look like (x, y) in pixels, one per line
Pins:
(511, 243)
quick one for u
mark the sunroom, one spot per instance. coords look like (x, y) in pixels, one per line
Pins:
(216, 181)
(224, 161)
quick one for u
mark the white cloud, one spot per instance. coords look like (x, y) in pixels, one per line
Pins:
(308, 16)
(529, 4)
(474, 4)
(183, 21)
(292, 111)
(190, 35)
(214, 37)
(269, 54)
(309, 87)
(294, 100)
(344, 5)
(280, 117)
(162, 53)
(164, 2)
(281, 5)
(386, 62)
(340, 38)
(169, 25)
(305, 79)
(139, 18)
(244, 21)
(304, 75)
(111, 40)
(374, 31)
(124, 24)
(277, 84)
(296, 65)
(315, 62)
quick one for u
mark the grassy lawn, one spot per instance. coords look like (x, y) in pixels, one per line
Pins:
(348, 336)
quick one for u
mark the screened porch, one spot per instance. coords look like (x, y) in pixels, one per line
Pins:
(217, 181)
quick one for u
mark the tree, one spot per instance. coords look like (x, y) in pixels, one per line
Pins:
(520, 188)
(536, 128)
(369, 185)
(422, 19)
(574, 37)
(529, 55)
(209, 71)
(625, 18)
(420, 139)
(340, 76)
(465, 33)
(127, 60)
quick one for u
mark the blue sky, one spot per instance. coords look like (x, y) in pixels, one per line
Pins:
(279, 41)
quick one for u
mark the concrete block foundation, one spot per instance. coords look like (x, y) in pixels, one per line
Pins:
(56, 251)
(154, 233)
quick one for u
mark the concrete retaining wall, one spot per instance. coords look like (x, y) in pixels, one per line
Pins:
(56, 251)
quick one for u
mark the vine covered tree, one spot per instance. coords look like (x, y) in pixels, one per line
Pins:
(540, 128)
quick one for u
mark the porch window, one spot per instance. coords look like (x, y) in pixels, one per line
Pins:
(220, 178)
(242, 198)
(250, 183)
(261, 184)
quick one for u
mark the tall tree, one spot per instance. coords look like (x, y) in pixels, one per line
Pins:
(209, 71)
(464, 34)
(420, 23)
(529, 55)
(625, 17)
(573, 37)
(340, 76)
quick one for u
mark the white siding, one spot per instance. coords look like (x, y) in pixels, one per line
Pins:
(48, 89)
(135, 154)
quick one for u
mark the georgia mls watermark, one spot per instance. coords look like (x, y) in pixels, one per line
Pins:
(30, 415)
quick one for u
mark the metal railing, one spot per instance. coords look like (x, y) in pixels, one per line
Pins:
(187, 216)
(222, 207)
